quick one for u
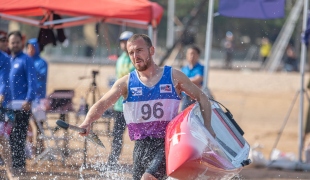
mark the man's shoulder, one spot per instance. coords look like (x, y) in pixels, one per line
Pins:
(4, 54)
(176, 72)
(122, 82)
(41, 60)
(199, 65)
(24, 56)
(4, 59)
(185, 68)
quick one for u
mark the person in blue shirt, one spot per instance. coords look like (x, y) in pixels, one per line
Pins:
(41, 67)
(5, 98)
(23, 82)
(194, 71)
(5, 93)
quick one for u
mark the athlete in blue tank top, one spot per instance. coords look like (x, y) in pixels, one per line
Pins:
(151, 100)
(148, 110)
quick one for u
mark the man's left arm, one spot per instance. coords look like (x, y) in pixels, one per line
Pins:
(183, 83)
(31, 80)
(197, 80)
(43, 69)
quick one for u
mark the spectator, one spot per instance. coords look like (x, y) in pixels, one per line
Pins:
(194, 71)
(23, 82)
(5, 94)
(41, 68)
(5, 98)
(123, 67)
(265, 50)
(229, 48)
(290, 60)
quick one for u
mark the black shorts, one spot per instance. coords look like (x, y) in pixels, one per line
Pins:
(149, 156)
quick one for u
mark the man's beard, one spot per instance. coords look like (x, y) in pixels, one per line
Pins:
(145, 65)
(16, 50)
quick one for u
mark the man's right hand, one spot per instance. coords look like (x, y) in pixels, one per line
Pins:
(85, 126)
(1, 100)
(26, 106)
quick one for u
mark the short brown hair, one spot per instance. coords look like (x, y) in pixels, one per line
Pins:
(145, 37)
(16, 33)
(196, 48)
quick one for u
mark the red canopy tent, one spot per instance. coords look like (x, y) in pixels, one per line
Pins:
(137, 13)
(134, 13)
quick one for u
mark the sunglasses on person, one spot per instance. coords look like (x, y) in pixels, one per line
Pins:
(3, 40)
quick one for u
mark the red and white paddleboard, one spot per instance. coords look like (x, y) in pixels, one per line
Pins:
(192, 153)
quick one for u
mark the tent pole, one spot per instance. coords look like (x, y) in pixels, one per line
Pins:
(20, 19)
(208, 46)
(170, 23)
(150, 32)
(155, 42)
(302, 73)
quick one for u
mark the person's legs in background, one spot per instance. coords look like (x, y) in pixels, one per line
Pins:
(228, 60)
(117, 143)
(39, 117)
(39, 146)
(18, 141)
(5, 150)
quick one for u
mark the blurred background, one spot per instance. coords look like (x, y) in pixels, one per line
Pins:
(97, 41)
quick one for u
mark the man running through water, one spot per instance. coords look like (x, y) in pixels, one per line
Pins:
(151, 101)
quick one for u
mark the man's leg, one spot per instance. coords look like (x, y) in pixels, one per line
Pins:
(39, 141)
(39, 116)
(5, 150)
(118, 132)
(149, 159)
(18, 140)
(157, 167)
(138, 160)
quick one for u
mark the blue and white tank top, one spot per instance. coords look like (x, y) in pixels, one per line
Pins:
(148, 110)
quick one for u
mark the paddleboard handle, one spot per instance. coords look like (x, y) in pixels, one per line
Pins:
(65, 125)
(246, 162)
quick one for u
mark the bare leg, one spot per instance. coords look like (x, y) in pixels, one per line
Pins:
(5, 150)
(148, 176)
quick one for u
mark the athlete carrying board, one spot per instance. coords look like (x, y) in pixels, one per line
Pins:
(151, 101)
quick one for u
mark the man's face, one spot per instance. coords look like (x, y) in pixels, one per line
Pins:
(30, 50)
(192, 56)
(15, 44)
(3, 44)
(140, 54)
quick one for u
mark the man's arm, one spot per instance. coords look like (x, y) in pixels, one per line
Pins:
(183, 83)
(197, 80)
(4, 77)
(118, 89)
(43, 70)
(32, 81)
